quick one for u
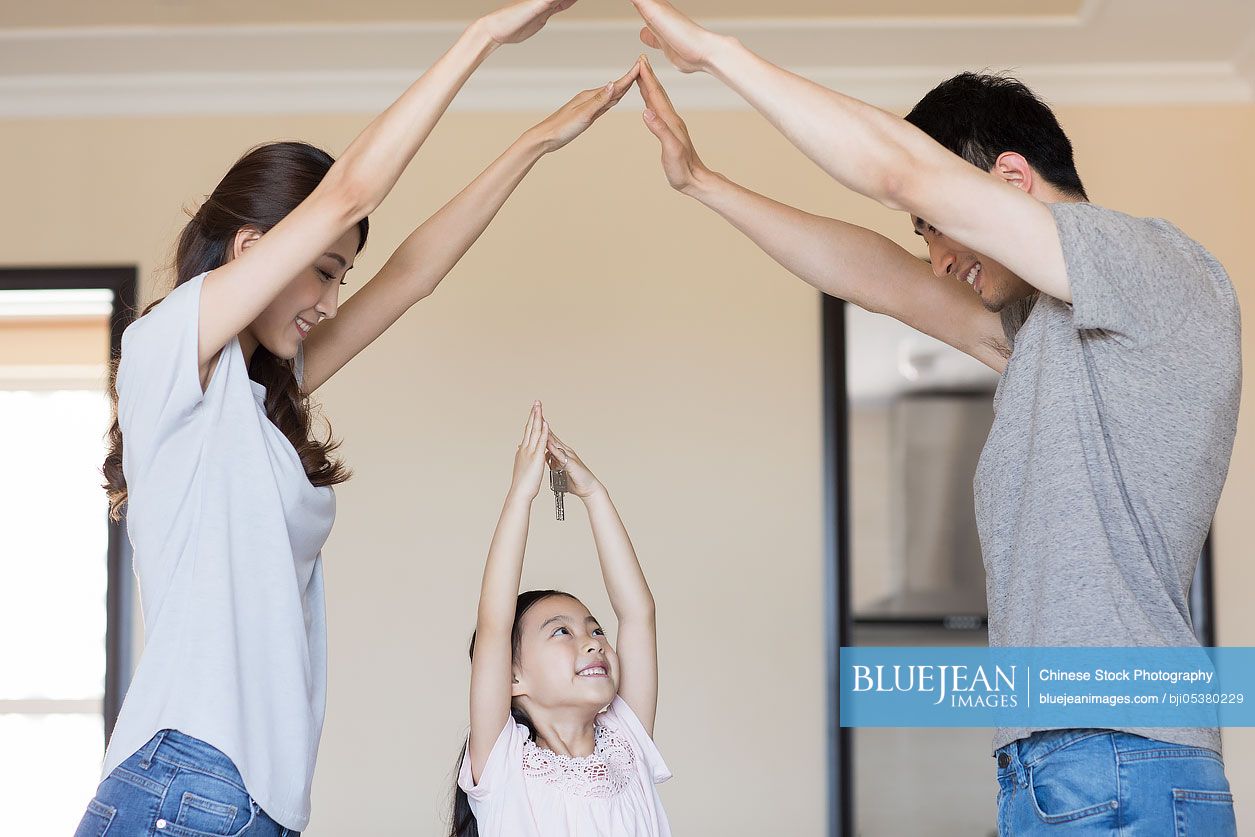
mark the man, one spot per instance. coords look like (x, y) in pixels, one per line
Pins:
(1118, 343)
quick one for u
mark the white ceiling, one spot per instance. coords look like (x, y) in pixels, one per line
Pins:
(139, 56)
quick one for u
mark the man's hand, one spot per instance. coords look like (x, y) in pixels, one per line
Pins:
(679, 159)
(688, 46)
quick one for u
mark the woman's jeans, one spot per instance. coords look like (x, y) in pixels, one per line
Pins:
(179, 786)
(1094, 781)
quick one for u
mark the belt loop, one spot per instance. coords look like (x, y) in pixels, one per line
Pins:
(150, 749)
(1017, 760)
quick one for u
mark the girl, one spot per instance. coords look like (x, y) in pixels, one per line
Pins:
(229, 496)
(543, 758)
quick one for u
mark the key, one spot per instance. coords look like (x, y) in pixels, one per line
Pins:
(557, 482)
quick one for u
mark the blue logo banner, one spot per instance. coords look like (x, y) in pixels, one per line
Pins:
(1047, 687)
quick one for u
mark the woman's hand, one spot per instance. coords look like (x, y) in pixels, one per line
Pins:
(580, 480)
(517, 22)
(529, 460)
(679, 159)
(687, 45)
(573, 118)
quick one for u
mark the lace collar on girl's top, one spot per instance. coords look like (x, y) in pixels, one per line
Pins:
(603, 774)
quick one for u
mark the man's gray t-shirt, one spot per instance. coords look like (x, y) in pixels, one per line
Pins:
(1114, 424)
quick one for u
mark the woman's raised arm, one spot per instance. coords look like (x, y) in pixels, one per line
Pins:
(236, 293)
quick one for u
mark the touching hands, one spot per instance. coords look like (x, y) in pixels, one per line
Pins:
(573, 118)
(517, 22)
(679, 159)
(686, 44)
(529, 460)
(540, 447)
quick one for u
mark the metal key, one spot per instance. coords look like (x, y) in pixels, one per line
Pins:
(557, 482)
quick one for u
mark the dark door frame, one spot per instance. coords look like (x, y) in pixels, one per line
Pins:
(119, 635)
(837, 618)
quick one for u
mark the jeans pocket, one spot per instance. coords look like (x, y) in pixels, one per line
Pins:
(96, 820)
(204, 805)
(1076, 781)
(1203, 813)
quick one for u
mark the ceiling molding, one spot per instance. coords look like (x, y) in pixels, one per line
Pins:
(1085, 11)
(1113, 52)
(312, 92)
(1245, 61)
(449, 29)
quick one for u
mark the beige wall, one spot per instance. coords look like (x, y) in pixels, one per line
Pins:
(682, 362)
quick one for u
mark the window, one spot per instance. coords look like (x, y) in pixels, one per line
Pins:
(63, 609)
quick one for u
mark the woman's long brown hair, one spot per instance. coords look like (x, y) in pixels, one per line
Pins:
(261, 188)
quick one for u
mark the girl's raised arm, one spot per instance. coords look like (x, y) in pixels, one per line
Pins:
(492, 658)
(236, 293)
(633, 603)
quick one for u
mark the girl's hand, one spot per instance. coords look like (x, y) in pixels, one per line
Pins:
(529, 461)
(573, 118)
(679, 159)
(688, 46)
(580, 480)
(517, 22)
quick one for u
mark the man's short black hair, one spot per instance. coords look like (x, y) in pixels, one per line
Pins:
(980, 115)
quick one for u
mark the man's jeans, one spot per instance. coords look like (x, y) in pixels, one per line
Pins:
(1094, 781)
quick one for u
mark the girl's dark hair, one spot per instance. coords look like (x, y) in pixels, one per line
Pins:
(463, 820)
(981, 115)
(258, 191)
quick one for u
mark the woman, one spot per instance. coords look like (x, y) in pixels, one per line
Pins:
(229, 498)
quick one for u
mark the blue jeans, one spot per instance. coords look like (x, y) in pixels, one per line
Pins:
(1102, 782)
(179, 786)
